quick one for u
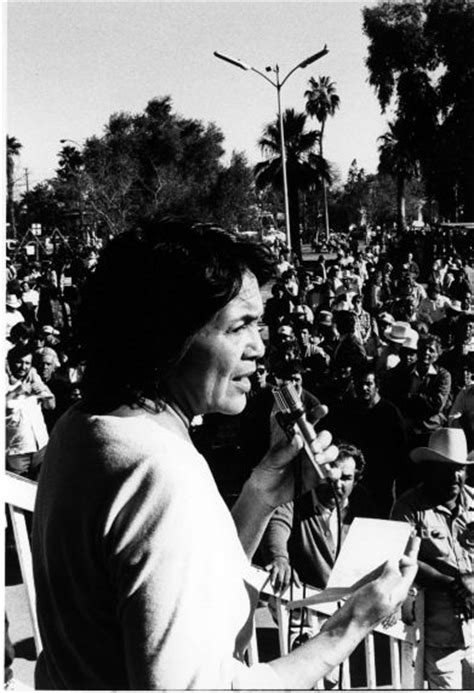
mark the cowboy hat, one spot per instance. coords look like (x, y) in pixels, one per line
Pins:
(445, 445)
(456, 306)
(397, 332)
(13, 301)
(325, 317)
(411, 340)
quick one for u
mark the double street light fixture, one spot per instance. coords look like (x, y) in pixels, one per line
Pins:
(66, 139)
(278, 85)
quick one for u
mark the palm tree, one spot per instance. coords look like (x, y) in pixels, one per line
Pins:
(321, 102)
(70, 162)
(305, 168)
(13, 150)
(397, 159)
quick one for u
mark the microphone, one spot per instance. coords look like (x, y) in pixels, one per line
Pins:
(291, 407)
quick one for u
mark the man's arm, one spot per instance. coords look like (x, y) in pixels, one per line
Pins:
(41, 390)
(430, 577)
(275, 548)
(275, 540)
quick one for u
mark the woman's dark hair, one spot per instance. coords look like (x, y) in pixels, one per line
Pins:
(152, 290)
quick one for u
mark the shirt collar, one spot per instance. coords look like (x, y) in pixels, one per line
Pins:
(431, 371)
(463, 505)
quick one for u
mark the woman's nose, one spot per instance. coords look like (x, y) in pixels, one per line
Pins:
(255, 347)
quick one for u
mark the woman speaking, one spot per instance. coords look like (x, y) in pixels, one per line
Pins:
(140, 569)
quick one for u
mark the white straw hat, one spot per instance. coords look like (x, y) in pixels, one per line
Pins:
(411, 341)
(13, 301)
(445, 445)
(398, 332)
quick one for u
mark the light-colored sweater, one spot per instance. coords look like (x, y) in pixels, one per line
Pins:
(139, 572)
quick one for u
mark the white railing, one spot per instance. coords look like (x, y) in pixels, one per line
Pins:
(406, 636)
(20, 495)
(406, 639)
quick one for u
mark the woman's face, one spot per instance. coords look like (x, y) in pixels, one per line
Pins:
(214, 375)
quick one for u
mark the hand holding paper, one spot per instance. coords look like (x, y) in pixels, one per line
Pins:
(378, 599)
(370, 554)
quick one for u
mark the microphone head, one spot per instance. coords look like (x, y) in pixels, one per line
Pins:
(287, 399)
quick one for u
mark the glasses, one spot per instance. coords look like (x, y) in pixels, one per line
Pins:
(261, 371)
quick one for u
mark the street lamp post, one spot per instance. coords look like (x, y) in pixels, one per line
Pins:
(278, 85)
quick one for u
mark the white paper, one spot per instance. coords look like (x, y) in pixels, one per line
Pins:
(368, 544)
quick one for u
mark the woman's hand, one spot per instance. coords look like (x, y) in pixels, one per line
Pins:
(379, 599)
(273, 477)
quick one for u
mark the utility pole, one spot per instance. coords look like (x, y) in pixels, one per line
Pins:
(27, 180)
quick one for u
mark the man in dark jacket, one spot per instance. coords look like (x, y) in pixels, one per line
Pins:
(376, 426)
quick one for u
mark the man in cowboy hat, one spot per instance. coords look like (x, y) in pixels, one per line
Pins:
(441, 508)
(13, 315)
(447, 326)
(394, 335)
(393, 379)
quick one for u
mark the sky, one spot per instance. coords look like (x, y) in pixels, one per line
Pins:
(70, 65)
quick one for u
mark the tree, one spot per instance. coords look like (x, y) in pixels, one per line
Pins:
(145, 164)
(40, 206)
(13, 150)
(397, 159)
(235, 196)
(305, 168)
(155, 162)
(69, 188)
(355, 195)
(322, 101)
(421, 64)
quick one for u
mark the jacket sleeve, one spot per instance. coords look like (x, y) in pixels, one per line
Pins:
(435, 399)
(275, 539)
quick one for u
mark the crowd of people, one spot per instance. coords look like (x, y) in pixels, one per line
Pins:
(391, 354)
(43, 370)
(386, 346)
